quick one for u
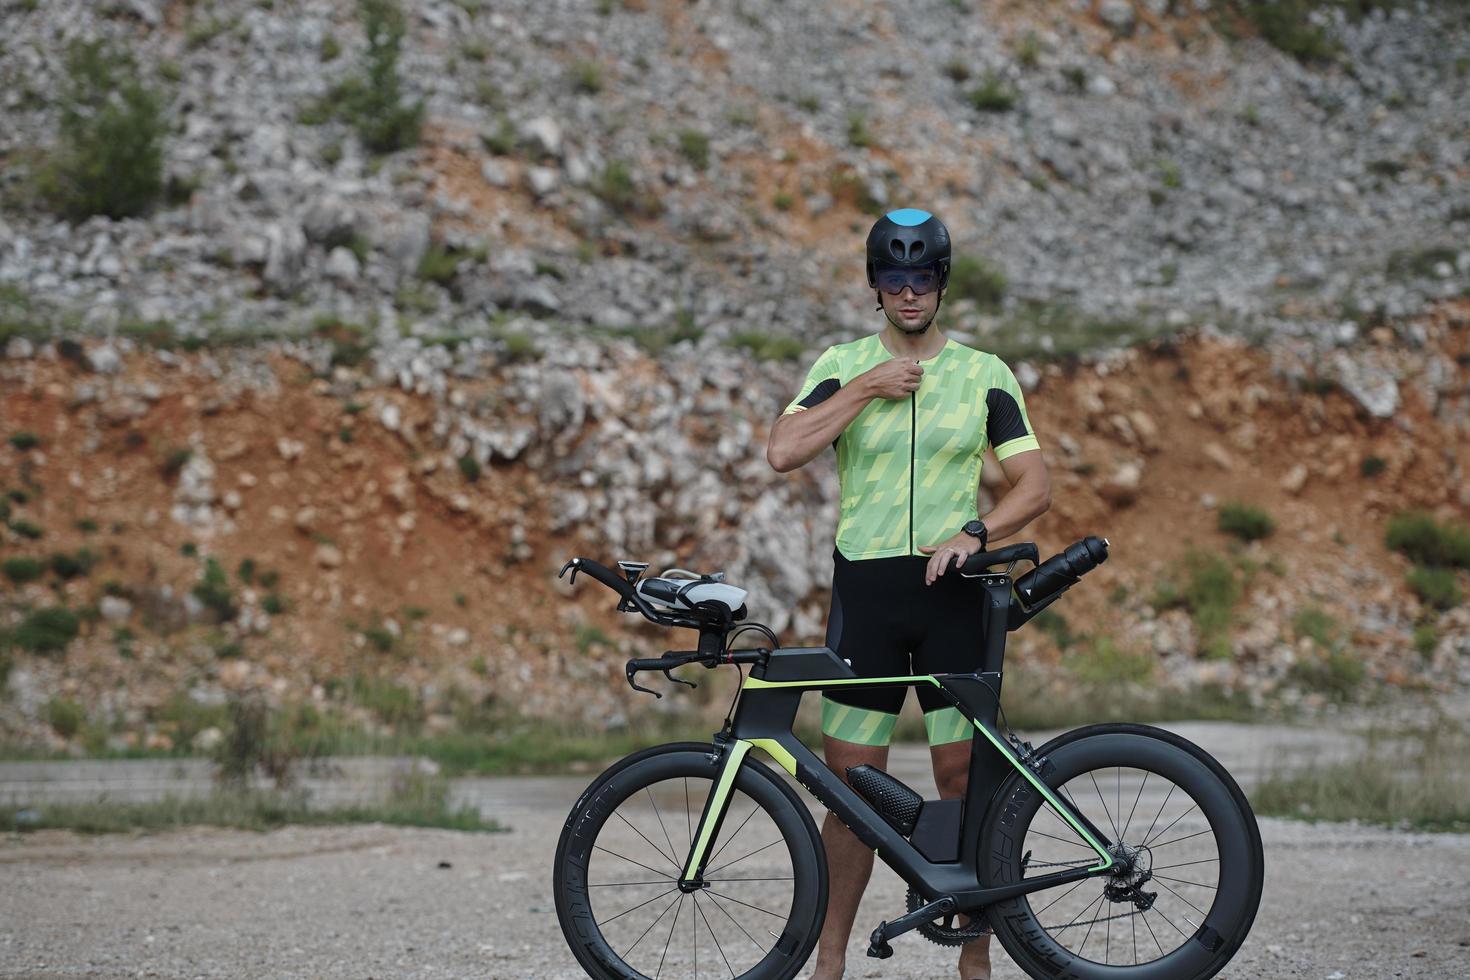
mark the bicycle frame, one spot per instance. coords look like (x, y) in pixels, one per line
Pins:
(764, 717)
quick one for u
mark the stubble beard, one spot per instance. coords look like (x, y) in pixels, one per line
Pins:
(897, 321)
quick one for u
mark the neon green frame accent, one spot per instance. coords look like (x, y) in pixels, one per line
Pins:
(756, 684)
(776, 751)
(723, 785)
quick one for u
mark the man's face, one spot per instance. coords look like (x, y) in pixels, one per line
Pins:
(907, 310)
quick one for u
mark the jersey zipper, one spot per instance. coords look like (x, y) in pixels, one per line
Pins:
(913, 459)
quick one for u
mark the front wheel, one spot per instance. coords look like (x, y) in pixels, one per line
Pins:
(1189, 869)
(764, 895)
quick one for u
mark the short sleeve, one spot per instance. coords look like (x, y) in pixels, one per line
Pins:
(822, 382)
(1007, 427)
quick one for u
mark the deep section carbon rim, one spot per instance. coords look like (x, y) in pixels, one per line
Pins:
(1188, 865)
(619, 880)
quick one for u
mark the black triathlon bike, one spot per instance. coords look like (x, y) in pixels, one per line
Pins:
(1112, 852)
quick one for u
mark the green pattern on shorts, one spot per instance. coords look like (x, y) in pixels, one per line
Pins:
(947, 725)
(862, 726)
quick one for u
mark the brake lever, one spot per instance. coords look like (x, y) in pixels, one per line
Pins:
(572, 564)
(639, 687)
(677, 681)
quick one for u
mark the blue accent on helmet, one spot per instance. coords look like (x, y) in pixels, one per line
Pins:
(908, 217)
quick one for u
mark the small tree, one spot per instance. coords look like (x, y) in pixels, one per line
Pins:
(110, 156)
(374, 102)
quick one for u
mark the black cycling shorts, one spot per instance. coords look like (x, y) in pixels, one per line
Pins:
(888, 623)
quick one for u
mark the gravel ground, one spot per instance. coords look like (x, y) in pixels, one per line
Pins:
(1341, 901)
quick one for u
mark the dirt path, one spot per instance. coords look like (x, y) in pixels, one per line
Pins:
(1341, 902)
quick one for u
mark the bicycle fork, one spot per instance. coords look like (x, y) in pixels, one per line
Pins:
(732, 751)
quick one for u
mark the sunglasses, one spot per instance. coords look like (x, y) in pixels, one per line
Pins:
(921, 281)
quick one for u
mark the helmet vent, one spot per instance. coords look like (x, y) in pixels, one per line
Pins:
(916, 250)
(896, 247)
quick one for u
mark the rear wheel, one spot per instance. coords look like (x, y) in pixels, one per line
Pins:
(621, 853)
(1190, 866)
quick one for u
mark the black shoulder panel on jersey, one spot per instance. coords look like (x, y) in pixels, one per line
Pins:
(1004, 421)
(824, 390)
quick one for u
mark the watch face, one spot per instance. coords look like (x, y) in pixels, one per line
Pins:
(975, 528)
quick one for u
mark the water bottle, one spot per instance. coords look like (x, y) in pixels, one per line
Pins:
(1061, 571)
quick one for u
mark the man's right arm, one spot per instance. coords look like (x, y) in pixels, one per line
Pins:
(797, 438)
(826, 407)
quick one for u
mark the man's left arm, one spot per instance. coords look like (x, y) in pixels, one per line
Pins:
(1028, 498)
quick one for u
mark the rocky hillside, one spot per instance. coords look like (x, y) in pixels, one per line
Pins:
(369, 330)
(184, 524)
(632, 164)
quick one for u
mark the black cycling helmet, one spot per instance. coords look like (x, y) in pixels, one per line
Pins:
(908, 238)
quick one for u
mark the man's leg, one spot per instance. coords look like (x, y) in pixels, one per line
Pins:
(849, 862)
(951, 776)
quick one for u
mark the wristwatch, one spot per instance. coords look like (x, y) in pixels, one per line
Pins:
(976, 529)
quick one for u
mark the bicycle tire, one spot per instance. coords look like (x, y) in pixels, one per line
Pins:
(1221, 801)
(631, 776)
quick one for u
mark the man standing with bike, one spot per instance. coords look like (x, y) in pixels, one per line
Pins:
(911, 414)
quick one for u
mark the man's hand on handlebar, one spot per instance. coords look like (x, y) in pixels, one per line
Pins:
(948, 554)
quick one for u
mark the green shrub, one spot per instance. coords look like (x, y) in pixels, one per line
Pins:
(380, 638)
(590, 636)
(47, 630)
(993, 95)
(857, 129)
(973, 278)
(768, 347)
(246, 570)
(1055, 625)
(1207, 586)
(846, 185)
(1316, 624)
(1426, 638)
(72, 566)
(1435, 587)
(1245, 522)
(330, 48)
(213, 590)
(439, 264)
(616, 189)
(1418, 536)
(23, 570)
(1419, 263)
(1105, 663)
(24, 440)
(782, 201)
(587, 77)
(469, 466)
(1287, 26)
(373, 100)
(1334, 672)
(273, 603)
(1028, 51)
(1371, 466)
(26, 529)
(109, 159)
(65, 716)
(694, 145)
(393, 703)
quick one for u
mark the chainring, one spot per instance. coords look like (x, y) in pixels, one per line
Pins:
(948, 935)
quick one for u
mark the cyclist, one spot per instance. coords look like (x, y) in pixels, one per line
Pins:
(911, 414)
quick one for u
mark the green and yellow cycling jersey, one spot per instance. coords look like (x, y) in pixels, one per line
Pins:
(909, 468)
